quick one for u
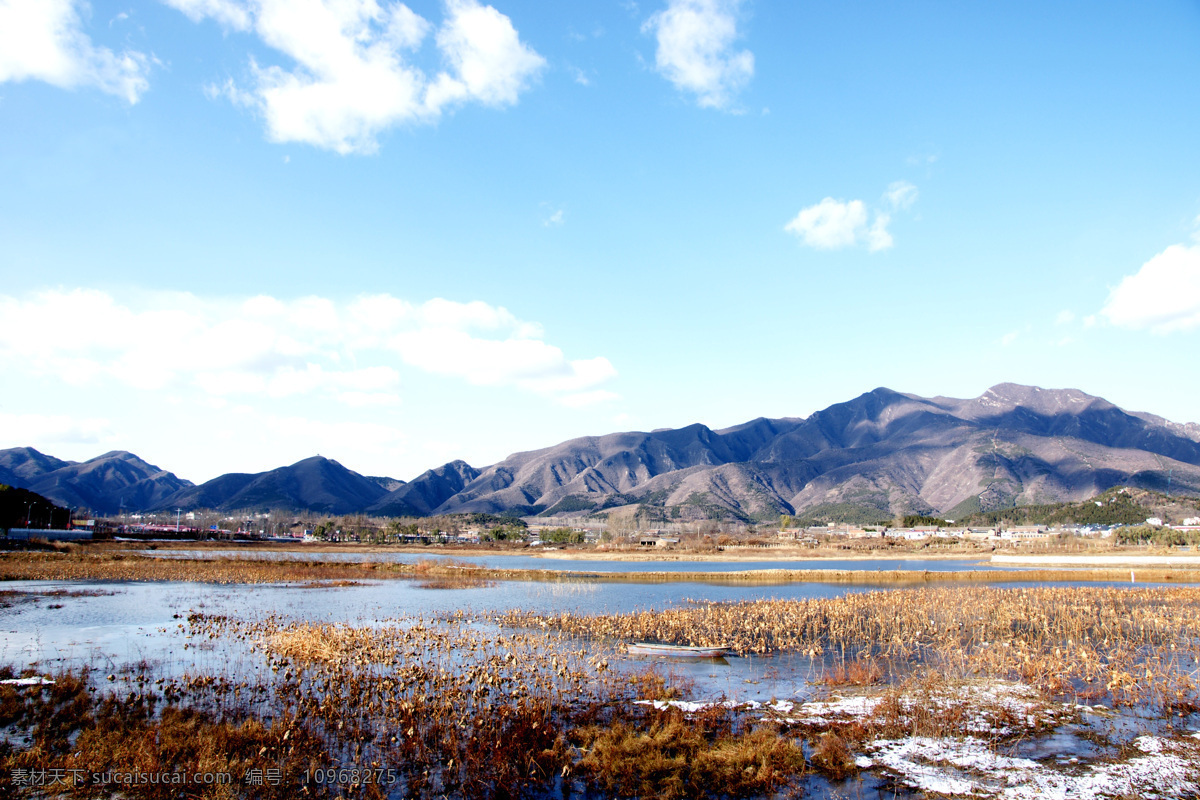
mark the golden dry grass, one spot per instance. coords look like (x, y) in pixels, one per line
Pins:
(1126, 645)
(104, 564)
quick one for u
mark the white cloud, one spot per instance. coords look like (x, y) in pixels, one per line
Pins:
(368, 399)
(901, 194)
(228, 13)
(57, 428)
(265, 346)
(878, 237)
(580, 76)
(1065, 317)
(489, 62)
(830, 224)
(353, 78)
(1163, 296)
(834, 224)
(572, 376)
(1009, 338)
(527, 363)
(331, 438)
(554, 220)
(696, 49)
(44, 40)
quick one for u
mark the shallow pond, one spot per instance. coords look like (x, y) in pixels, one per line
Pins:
(111, 625)
(597, 565)
(121, 627)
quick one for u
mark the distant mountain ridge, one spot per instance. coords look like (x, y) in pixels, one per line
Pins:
(105, 484)
(881, 454)
(313, 484)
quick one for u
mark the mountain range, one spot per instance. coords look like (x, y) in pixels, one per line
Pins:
(881, 454)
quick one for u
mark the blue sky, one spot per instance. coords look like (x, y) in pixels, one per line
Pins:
(234, 233)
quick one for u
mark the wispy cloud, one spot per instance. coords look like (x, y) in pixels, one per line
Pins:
(58, 428)
(353, 76)
(900, 195)
(580, 76)
(44, 40)
(352, 351)
(230, 14)
(696, 49)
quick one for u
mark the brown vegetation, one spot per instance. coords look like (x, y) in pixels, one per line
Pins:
(455, 707)
(438, 709)
(671, 755)
(1130, 646)
(115, 565)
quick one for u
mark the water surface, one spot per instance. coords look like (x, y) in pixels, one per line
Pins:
(598, 565)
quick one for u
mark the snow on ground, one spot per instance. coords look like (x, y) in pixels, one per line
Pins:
(691, 707)
(1167, 769)
(984, 707)
(996, 708)
(1161, 769)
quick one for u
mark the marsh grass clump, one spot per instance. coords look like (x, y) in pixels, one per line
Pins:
(91, 737)
(856, 672)
(527, 705)
(1128, 646)
(832, 756)
(451, 707)
(451, 710)
(673, 755)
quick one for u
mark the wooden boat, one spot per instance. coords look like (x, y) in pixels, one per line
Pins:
(675, 650)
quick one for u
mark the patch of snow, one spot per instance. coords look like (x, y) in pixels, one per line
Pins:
(691, 707)
(1170, 769)
(987, 707)
(36, 680)
(683, 705)
(824, 711)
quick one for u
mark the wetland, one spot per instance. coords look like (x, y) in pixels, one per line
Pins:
(332, 675)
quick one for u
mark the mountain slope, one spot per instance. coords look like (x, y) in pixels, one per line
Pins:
(27, 464)
(105, 484)
(426, 492)
(887, 451)
(880, 454)
(313, 484)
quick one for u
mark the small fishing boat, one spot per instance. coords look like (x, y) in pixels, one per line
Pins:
(675, 650)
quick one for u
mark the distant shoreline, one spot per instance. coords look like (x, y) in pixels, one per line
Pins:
(750, 554)
(732, 555)
(729, 555)
(1110, 559)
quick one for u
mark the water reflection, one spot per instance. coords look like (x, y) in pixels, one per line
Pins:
(111, 625)
(596, 565)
